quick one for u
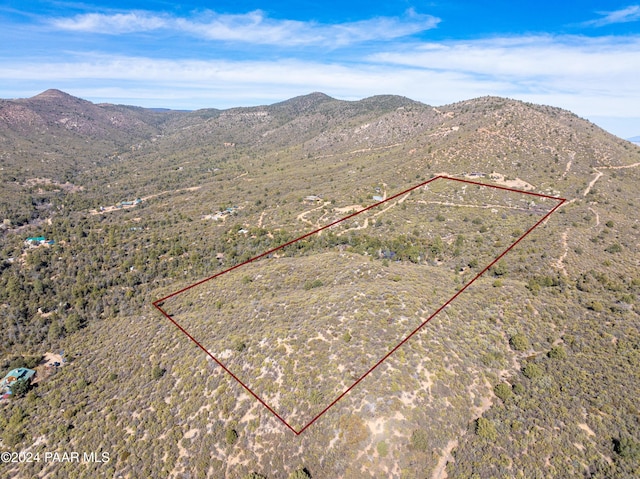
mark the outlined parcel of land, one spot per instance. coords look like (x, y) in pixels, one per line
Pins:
(301, 325)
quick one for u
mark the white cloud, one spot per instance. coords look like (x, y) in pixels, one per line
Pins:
(577, 67)
(112, 24)
(253, 27)
(628, 14)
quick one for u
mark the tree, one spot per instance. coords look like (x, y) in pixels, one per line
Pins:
(532, 371)
(20, 388)
(72, 323)
(519, 342)
(231, 436)
(55, 331)
(557, 352)
(626, 447)
(486, 429)
(503, 391)
(436, 246)
(300, 474)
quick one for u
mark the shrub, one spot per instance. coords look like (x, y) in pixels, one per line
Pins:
(532, 371)
(382, 448)
(300, 474)
(239, 345)
(157, 372)
(485, 429)
(519, 342)
(419, 440)
(499, 269)
(557, 352)
(614, 248)
(503, 391)
(316, 283)
(595, 306)
(626, 447)
(231, 436)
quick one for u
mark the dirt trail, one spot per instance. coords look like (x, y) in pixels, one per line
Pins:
(440, 471)
(593, 182)
(301, 216)
(600, 173)
(355, 228)
(366, 220)
(447, 203)
(597, 216)
(565, 248)
(261, 218)
(108, 209)
(363, 150)
(572, 155)
(517, 183)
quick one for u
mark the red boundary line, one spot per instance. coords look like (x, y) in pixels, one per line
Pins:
(297, 433)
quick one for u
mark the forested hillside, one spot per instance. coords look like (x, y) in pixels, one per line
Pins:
(533, 371)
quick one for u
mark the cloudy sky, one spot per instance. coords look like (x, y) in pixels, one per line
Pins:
(583, 56)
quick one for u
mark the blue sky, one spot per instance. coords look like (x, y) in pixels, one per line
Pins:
(582, 56)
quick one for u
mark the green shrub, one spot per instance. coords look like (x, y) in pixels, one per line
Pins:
(231, 436)
(503, 391)
(316, 283)
(157, 372)
(518, 389)
(485, 429)
(557, 352)
(382, 448)
(300, 474)
(532, 371)
(499, 269)
(519, 342)
(627, 447)
(419, 440)
(614, 248)
(239, 345)
(595, 306)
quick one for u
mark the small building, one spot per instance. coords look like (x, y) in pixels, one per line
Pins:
(312, 199)
(135, 202)
(12, 376)
(36, 240)
(378, 198)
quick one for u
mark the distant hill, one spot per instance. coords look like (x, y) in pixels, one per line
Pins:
(634, 139)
